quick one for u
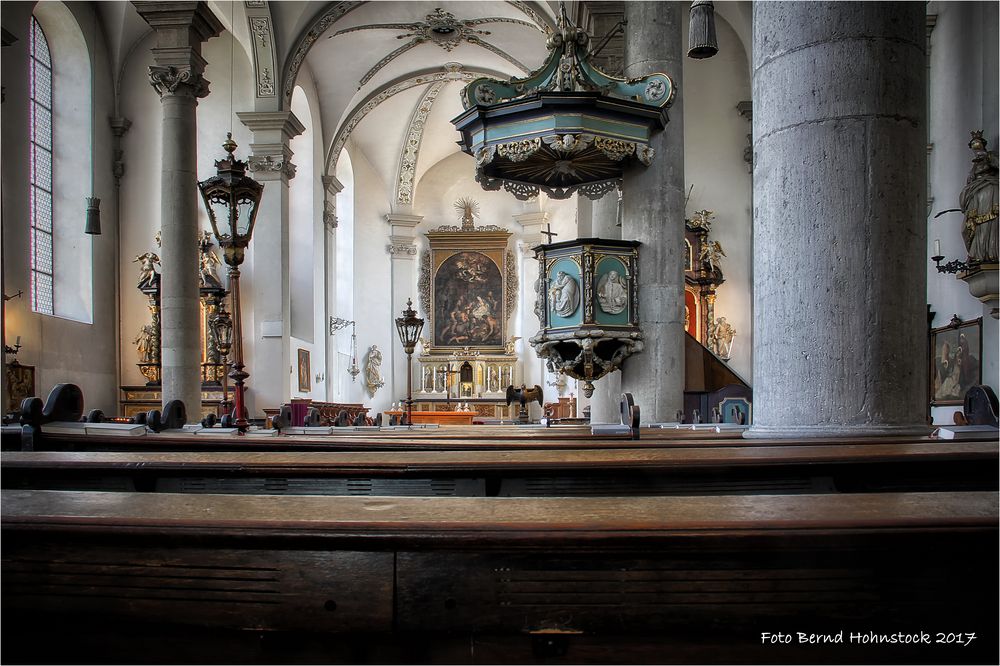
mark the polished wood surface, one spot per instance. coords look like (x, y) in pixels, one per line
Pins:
(546, 520)
(547, 459)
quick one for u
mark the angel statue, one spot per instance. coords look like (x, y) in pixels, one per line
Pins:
(711, 253)
(702, 219)
(147, 267)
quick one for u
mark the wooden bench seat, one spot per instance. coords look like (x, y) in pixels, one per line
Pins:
(579, 472)
(574, 576)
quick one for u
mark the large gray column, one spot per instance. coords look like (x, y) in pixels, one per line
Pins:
(653, 213)
(180, 29)
(604, 404)
(840, 146)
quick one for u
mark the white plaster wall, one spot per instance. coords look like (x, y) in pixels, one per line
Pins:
(61, 350)
(714, 139)
(342, 282)
(962, 98)
(372, 284)
(140, 191)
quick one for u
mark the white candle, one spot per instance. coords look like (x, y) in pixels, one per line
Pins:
(937, 247)
(17, 343)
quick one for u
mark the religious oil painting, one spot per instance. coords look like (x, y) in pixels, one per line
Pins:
(468, 302)
(956, 361)
(305, 379)
(20, 384)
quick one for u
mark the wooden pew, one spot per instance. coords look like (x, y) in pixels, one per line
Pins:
(691, 579)
(872, 467)
(445, 438)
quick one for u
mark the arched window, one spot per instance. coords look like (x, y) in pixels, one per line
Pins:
(61, 166)
(40, 60)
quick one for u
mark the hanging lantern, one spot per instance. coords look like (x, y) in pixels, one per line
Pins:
(588, 304)
(566, 128)
(231, 199)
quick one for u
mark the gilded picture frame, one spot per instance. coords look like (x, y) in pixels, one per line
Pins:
(305, 376)
(956, 365)
(20, 384)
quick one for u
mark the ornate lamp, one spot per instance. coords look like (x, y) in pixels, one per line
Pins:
(567, 127)
(231, 199)
(588, 305)
(222, 331)
(409, 326)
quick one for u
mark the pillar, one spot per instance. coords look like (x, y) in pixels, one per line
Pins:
(533, 368)
(176, 76)
(653, 214)
(604, 404)
(840, 150)
(266, 306)
(331, 188)
(402, 249)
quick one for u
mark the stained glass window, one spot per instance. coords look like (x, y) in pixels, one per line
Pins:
(41, 170)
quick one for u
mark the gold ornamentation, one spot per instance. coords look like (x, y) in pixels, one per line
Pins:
(519, 151)
(614, 149)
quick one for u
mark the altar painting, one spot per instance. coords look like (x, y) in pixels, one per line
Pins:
(468, 302)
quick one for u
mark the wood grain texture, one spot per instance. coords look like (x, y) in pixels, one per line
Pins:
(545, 520)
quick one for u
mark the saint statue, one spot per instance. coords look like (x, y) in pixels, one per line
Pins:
(721, 338)
(373, 374)
(612, 293)
(979, 202)
(145, 344)
(564, 295)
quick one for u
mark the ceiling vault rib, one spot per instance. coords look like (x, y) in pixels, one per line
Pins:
(406, 176)
(542, 25)
(450, 72)
(387, 59)
(306, 41)
(500, 52)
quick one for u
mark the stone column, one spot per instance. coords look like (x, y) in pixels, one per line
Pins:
(176, 76)
(266, 306)
(533, 368)
(840, 150)
(604, 404)
(402, 248)
(653, 214)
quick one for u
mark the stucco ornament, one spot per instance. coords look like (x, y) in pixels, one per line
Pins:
(612, 293)
(564, 294)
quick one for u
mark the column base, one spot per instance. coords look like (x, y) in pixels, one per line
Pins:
(824, 431)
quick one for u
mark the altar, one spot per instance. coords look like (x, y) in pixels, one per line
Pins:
(440, 418)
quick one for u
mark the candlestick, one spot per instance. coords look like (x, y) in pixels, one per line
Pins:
(937, 247)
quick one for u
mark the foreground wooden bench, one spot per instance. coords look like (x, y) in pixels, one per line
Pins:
(663, 579)
(704, 469)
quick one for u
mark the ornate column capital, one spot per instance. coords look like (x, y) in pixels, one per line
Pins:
(402, 236)
(180, 29)
(331, 188)
(184, 80)
(531, 225)
(271, 158)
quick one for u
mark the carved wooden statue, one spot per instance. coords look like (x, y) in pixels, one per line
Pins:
(979, 202)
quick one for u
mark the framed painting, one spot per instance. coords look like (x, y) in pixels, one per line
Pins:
(305, 384)
(20, 384)
(956, 360)
(468, 286)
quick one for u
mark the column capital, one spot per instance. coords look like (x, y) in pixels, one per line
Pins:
(403, 225)
(331, 188)
(272, 126)
(180, 23)
(180, 29)
(271, 161)
(401, 247)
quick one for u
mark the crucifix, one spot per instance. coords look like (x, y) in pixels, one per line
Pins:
(447, 382)
(549, 233)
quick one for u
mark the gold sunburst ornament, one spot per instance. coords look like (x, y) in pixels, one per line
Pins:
(469, 209)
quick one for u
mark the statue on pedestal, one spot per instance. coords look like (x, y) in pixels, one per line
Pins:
(979, 203)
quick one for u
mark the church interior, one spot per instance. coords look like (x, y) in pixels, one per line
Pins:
(500, 331)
